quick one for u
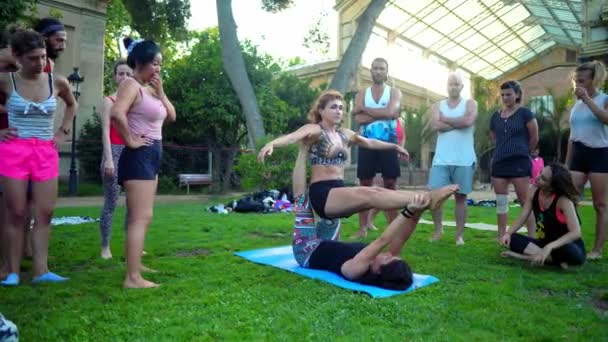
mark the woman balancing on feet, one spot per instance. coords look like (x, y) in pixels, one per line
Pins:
(138, 114)
(29, 152)
(558, 230)
(315, 245)
(328, 152)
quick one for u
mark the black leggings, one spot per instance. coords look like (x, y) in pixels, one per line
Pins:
(572, 253)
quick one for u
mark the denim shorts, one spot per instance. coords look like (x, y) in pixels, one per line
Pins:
(442, 175)
(141, 163)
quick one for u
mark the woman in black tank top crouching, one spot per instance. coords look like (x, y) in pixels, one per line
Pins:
(553, 202)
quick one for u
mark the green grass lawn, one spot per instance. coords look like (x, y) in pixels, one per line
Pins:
(209, 294)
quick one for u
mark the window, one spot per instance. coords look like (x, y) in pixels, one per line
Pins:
(542, 105)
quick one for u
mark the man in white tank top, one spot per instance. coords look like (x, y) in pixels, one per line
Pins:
(454, 160)
(376, 110)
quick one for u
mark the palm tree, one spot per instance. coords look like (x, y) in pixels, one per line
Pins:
(418, 131)
(556, 117)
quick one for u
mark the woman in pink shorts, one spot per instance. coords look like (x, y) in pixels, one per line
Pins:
(29, 153)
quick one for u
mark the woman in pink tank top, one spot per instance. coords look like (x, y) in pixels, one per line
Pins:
(141, 97)
(113, 144)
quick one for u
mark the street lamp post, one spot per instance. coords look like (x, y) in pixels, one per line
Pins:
(75, 79)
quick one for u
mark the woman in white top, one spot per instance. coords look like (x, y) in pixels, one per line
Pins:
(587, 155)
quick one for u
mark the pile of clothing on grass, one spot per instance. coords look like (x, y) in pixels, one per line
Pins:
(265, 201)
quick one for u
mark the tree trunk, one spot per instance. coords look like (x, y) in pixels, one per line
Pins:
(227, 167)
(234, 65)
(352, 56)
(216, 167)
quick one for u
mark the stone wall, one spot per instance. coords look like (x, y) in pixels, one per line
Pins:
(85, 25)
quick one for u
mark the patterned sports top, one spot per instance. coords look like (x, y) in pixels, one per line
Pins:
(325, 152)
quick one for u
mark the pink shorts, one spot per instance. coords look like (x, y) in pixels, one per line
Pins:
(30, 158)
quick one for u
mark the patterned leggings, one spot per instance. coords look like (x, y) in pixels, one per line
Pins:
(111, 192)
(307, 235)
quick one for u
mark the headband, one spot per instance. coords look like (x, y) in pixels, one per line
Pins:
(51, 29)
(133, 44)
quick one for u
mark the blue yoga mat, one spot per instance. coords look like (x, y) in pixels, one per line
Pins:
(282, 257)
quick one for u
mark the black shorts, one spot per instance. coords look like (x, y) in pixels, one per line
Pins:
(140, 164)
(512, 167)
(318, 192)
(370, 162)
(588, 159)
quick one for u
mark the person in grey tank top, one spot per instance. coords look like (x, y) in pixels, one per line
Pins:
(31, 152)
(454, 161)
(587, 155)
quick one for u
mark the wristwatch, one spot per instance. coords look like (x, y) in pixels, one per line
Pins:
(65, 131)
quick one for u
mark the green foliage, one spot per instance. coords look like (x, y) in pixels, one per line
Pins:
(418, 132)
(275, 6)
(317, 39)
(162, 21)
(167, 184)
(117, 27)
(15, 12)
(209, 113)
(275, 173)
(207, 293)
(481, 94)
(553, 125)
(89, 149)
(55, 13)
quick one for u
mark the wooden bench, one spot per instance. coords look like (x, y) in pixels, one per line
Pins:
(188, 179)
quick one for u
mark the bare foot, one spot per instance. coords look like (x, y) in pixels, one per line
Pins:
(508, 254)
(438, 196)
(139, 283)
(436, 236)
(459, 241)
(361, 234)
(511, 254)
(106, 253)
(147, 269)
(593, 255)
(371, 227)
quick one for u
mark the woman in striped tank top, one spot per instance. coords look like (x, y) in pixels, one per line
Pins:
(138, 114)
(113, 145)
(30, 154)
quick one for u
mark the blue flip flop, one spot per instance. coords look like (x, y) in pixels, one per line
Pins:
(11, 280)
(49, 277)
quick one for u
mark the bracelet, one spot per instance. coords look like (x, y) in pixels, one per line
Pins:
(407, 213)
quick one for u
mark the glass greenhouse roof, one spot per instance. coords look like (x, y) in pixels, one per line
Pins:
(484, 37)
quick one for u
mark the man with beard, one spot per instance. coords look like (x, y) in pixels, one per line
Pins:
(376, 110)
(55, 38)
